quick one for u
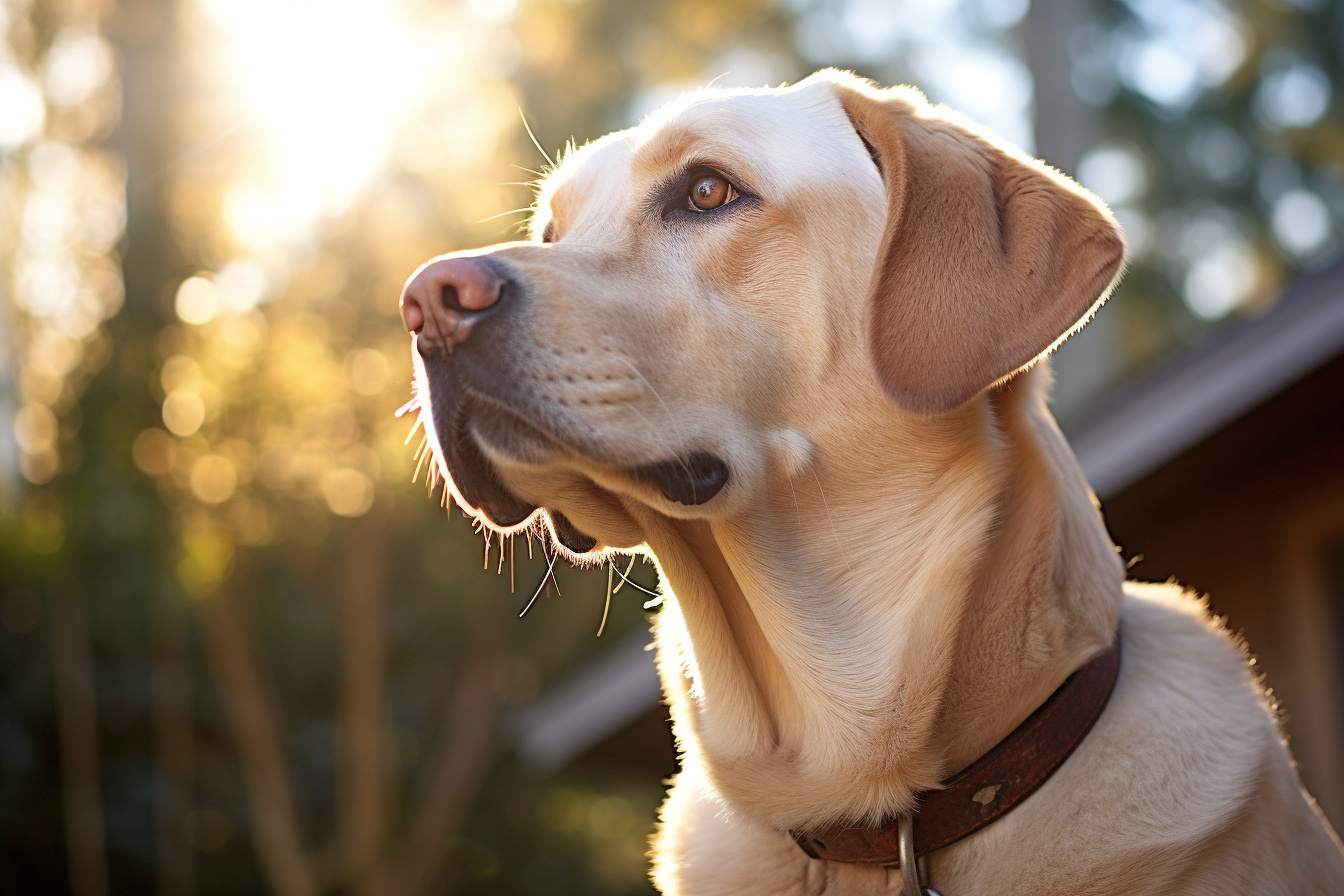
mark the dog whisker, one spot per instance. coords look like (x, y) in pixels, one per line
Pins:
(671, 418)
(512, 211)
(546, 578)
(420, 454)
(653, 430)
(625, 575)
(797, 509)
(835, 532)
(550, 163)
(638, 587)
(606, 608)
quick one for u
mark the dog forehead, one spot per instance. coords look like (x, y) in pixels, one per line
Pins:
(594, 176)
(774, 130)
(785, 137)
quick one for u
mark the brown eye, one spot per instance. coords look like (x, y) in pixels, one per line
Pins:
(710, 191)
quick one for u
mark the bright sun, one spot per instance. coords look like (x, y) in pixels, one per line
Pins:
(329, 81)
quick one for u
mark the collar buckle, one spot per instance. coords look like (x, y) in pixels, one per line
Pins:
(911, 870)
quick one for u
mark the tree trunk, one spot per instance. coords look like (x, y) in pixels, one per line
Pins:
(275, 828)
(77, 721)
(454, 772)
(363, 651)
(175, 746)
(1066, 128)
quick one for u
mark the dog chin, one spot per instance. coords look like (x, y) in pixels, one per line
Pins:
(473, 480)
(477, 485)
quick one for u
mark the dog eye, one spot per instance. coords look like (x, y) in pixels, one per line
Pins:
(710, 191)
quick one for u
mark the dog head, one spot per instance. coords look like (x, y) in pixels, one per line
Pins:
(743, 277)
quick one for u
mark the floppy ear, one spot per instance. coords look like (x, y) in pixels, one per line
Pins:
(988, 259)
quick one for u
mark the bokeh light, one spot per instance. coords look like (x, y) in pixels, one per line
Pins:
(1294, 94)
(1115, 173)
(1301, 222)
(25, 113)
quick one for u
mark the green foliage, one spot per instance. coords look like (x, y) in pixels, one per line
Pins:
(1231, 116)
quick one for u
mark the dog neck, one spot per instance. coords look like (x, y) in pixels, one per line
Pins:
(830, 671)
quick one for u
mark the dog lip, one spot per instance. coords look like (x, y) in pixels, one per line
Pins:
(478, 482)
(502, 429)
(692, 480)
(472, 423)
(472, 476)
(570, 535)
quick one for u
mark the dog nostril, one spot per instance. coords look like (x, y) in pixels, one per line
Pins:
(445, 298)
(451, 301)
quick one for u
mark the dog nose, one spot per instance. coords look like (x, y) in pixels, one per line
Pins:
(442, 299)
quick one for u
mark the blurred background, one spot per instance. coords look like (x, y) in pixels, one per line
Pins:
(241, 651)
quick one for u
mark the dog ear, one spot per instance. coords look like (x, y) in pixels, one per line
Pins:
(988, 259)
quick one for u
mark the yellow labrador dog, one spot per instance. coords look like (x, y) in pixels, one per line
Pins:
(783, 339)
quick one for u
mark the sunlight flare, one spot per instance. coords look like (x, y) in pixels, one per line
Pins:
(329, 83)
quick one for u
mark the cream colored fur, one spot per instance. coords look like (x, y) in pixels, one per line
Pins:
(887, 586)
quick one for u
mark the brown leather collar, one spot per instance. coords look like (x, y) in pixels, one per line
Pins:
(991, 785)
